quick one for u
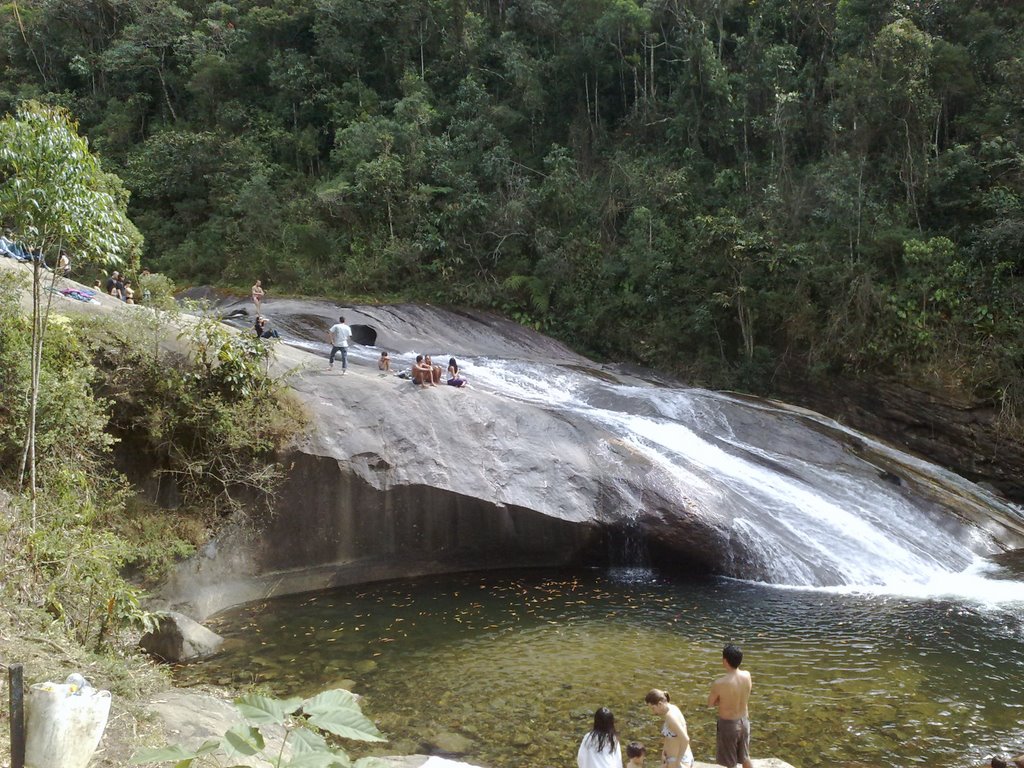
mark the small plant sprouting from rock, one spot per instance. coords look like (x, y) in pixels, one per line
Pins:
(304, 746)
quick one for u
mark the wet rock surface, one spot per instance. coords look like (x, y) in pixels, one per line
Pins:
(944, 427)
(394, 481)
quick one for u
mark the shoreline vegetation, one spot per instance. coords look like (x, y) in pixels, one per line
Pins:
(128, 392)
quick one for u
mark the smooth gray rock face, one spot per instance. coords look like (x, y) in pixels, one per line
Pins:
(179, 638)
(966, 435)
(188, 719)
(393, 481)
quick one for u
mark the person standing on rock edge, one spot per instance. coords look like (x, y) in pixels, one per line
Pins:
(730, 694)
(340, 333)
(257, 295)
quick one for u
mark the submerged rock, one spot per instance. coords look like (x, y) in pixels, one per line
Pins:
(451, 743)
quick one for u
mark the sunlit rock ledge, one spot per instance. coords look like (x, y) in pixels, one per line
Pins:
(393, 481)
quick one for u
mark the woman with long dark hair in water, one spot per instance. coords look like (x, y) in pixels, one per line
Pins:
(600, 747)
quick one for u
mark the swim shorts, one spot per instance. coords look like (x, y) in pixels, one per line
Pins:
(733, 742)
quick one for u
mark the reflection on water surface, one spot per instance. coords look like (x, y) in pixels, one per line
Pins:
(517, 662)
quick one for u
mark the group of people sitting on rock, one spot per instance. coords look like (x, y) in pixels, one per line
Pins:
(120, 287)
(116, 285)
(426, 374)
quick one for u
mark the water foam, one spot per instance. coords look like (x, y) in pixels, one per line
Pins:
(812, 521)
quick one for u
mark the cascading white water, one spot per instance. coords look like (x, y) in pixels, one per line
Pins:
(811, 511)
(785, 484)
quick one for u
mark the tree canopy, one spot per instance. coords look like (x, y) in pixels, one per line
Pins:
(736, 190)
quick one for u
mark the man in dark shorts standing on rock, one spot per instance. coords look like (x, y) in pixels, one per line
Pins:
(730, 694)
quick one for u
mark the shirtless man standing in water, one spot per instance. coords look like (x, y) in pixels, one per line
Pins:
(730, 694)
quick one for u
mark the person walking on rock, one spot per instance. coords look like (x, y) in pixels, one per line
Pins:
(730, 694)
(340, 333)
(257, 295)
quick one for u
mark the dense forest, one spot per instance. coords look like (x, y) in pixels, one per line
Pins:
(736, 190)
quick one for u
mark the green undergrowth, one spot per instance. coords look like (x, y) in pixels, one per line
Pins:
(142, 400)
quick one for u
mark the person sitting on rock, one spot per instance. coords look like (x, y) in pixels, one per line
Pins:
(384, 364)
(435, 370)
(421, 372)
(262, 332)
(454, 380)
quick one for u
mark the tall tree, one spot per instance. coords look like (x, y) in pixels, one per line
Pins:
(57, 197)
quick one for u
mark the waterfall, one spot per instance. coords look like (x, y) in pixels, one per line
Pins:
(807, 502)
(816, 504)
(629, 560)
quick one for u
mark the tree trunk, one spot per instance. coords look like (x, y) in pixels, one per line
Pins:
(28, 454)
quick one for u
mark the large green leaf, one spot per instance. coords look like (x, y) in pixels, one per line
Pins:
(337, 711)
(262, 710)
(244, 740)
(292, 705)
(336, 697)
(163, 755)
(303, 740)
(319, 760)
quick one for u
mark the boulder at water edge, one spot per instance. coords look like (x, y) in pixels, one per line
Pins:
(178, 638)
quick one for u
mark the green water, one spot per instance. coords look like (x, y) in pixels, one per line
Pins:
(517, 662)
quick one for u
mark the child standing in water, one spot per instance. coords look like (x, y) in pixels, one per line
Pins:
(635, 754)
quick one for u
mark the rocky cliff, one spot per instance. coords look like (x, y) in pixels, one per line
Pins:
(945, 427)
(393, 480)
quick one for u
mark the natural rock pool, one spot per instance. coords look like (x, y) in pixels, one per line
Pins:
(507, 668)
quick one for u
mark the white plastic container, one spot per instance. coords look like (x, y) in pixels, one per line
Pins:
(63, 724)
